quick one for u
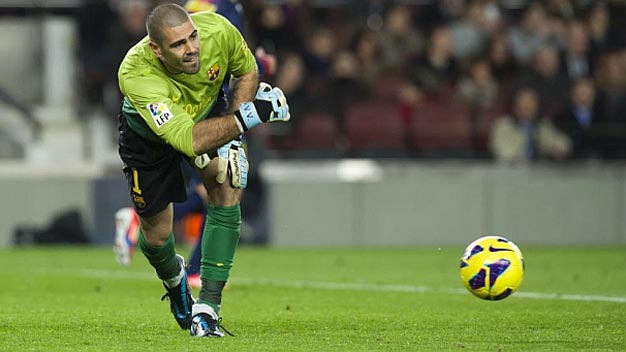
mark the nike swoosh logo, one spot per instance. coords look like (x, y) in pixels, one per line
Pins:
(491, 249)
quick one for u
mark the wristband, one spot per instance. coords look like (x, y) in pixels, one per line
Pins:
(247, 117)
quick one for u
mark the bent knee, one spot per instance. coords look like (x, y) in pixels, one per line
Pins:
(224, 195)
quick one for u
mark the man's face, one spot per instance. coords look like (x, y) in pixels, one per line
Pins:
(526, 105)
(180, 49)
(583, 93)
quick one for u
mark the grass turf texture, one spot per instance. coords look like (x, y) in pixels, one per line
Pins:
(79, 299)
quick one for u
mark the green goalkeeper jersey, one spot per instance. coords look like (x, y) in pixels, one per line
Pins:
(162, 106)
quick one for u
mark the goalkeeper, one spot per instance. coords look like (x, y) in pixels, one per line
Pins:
(175, 110)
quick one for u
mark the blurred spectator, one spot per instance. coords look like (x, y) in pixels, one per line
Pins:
(274, 29)
(319, 48)
(576, 56)
(547, 78)
(617, 34)
(437, 13)
(470, 33)
(344, 86)
(435, 72)
(399, 41)
(290, 77)
(611, 81)
(563, 9)
(95, 18)
(367, 48)
(493, 17)
(205, 5)
(501, 59)
(580, 121)
(598, 22)
(526, 135)
(478, 89)
(232, 10)
(451, 10)
(530, 35)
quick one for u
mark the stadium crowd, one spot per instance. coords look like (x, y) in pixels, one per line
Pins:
(516, 81)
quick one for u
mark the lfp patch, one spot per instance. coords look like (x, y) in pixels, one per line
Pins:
(213, 72)
(160, 113)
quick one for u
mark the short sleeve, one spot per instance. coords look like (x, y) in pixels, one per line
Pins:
(242, 60)
(165, 118)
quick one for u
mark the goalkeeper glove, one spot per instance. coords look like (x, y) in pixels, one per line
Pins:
(231, 160)
(237, 164)
(269, 105)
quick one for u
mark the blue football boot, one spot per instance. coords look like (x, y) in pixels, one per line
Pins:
(180, 298)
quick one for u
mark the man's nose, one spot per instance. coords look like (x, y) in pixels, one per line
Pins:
(189, 49)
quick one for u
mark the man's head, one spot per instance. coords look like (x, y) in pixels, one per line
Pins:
(547, 62)
(526, 104)
(174, 39)
(583, 93)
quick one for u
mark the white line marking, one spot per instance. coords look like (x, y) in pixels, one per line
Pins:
(128, 275)
(417, 289)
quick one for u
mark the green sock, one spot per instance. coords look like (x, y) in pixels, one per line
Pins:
(219, 241)
(211, 293)
(162, 258)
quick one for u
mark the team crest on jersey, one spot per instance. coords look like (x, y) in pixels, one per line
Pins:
(160, 113)
(213, 72)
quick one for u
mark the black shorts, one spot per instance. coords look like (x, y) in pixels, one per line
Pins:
(153, 169)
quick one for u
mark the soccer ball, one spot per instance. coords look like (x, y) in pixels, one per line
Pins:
(492, 268)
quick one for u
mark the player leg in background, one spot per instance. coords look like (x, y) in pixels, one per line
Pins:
(126, 234)
(193, 268)
(196, 204)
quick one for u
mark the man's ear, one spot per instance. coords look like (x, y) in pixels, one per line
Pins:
(155, 49)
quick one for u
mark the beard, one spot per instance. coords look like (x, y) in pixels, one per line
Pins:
(191, 63)
(190, 67)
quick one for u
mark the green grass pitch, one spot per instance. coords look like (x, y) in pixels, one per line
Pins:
(348, 299)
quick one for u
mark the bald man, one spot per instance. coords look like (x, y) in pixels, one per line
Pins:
(175, 110)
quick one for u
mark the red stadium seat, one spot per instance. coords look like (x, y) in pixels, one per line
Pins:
(483, 122)
(388, 89)
(316, 130)
(375, 129)
(441, 129)
(317, 135)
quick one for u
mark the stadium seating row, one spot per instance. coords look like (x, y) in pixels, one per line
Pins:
(385, 129)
